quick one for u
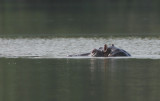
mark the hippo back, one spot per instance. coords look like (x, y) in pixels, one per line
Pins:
(114, 51)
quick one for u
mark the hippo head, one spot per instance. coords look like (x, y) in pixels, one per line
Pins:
(97, 53)
(101, 52)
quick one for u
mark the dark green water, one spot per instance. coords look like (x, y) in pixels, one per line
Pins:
(80, 18)
(79, 79)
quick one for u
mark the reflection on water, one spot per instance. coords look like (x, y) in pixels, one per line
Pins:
(79, 79)
(61, 47)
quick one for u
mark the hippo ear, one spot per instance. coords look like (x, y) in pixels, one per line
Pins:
(112, 44)
(105, 48)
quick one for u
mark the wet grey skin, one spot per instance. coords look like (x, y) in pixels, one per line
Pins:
(111, 51)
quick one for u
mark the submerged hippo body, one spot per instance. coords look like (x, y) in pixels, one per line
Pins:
(111, 51)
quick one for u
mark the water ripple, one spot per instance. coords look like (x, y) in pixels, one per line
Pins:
(61, 47)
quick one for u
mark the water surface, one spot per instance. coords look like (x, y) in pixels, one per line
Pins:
(34, 65)
(79, 79)
(79, 18)
(61, 47)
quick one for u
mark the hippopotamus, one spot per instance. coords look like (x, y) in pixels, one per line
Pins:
(110, 51)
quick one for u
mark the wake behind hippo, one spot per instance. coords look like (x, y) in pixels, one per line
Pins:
(111, 51)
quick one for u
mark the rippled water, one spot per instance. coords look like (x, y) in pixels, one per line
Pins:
(61, 47)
